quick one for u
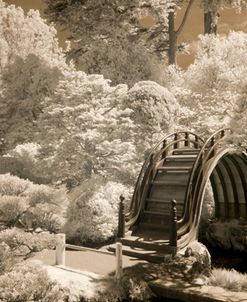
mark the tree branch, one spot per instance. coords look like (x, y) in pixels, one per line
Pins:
(185, 17)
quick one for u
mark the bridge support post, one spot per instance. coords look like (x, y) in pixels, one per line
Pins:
(121, 218)
(173, 227)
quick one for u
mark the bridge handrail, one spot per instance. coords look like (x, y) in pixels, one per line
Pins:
(157, 154)
(196, 178)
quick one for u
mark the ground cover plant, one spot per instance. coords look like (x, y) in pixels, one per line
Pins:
(228, 279)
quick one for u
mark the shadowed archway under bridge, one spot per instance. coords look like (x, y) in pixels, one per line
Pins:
(166, 206)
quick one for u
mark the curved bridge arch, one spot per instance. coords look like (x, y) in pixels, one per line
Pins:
(179, 167)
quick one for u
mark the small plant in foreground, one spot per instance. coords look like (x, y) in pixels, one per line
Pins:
(229, 279)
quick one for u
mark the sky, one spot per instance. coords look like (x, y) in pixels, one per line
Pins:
(229, 20)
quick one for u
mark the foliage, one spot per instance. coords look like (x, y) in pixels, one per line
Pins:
(115, 38)
(29, 282)
(139, 291)
(7, 258)
(30, 205)
(93, 216)
(92, 128)
(22, 243)
(238, 122)
(73, 126)
(229, 279)
(21, 35)
(212, 92)
(12, 185)
(31, 64)
(120, 39)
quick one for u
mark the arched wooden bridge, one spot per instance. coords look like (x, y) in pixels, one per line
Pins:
(179, 168)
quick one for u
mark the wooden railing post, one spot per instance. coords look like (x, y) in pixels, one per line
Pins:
(163, 147)
(173, 227)
(60, 249)
(212, 143)
(176, 145)
(186, 141)
(121, 218)
(196, 144)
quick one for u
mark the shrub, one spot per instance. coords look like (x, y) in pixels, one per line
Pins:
(23, 244)
(7, 258)
(93, 216)
(12, 208)
(29, 282)
(31, 205)
(12, 185)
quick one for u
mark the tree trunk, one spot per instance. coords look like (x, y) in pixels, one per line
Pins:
(172, 39)
(209, 26)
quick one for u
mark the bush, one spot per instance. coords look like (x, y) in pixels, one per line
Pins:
(23, 244)
(93, 216)
(12, 185)
(7, 258)
(12, 209)
(29, 282)
(32, 206)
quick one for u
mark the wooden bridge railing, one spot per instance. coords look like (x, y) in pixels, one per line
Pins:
(156, 158)
(196, 182)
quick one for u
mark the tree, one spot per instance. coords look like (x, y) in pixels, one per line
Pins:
(109, 37)
(70, 127)
(213, 89)
(31, 64)
(173, 34)
(211, 10)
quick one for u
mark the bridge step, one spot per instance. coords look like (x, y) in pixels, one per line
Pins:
(154, 226)
(161, 208)
(172, 169)
(134, 242)
(168, 183)
(152, 217)
(181, 157)
(162, 204)
(139, 253)
(167, 192)
(185, 151)
(180, 178)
